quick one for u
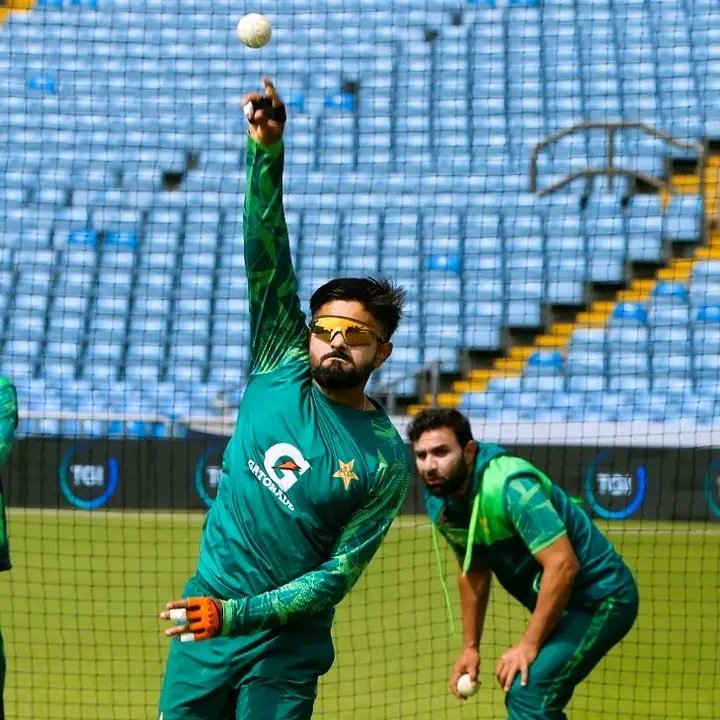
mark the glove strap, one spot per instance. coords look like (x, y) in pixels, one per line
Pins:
(226, 615)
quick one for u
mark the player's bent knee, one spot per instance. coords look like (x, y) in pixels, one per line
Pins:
(526, 703)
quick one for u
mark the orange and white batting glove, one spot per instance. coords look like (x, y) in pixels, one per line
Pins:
(197, 618)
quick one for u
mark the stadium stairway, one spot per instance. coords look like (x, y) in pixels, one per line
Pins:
(639, 289)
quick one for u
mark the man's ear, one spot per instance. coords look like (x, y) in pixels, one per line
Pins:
(382, 354)
(469, 452)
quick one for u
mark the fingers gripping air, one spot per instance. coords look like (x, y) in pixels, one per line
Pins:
(197, 618)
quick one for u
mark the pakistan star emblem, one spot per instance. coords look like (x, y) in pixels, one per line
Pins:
(346, 473)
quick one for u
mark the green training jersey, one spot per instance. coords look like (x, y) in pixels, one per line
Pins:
(308, 487)
(521, 512)
(8, 423)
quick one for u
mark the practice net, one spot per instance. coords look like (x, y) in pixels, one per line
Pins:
(541, 178)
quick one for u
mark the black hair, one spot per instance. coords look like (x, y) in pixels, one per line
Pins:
(436, 418)
(381, 298)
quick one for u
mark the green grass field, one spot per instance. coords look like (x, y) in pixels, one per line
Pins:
(82, 638)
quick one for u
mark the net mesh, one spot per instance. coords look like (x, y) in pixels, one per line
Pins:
(541, 178)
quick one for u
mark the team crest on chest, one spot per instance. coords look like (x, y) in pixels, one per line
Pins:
(346, 472)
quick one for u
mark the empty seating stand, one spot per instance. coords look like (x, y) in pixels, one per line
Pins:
(122, 174)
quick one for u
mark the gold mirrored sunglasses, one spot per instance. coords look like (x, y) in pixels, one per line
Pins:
(354, 332)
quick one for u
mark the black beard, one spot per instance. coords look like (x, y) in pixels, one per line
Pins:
(335, 376)
(453, 483)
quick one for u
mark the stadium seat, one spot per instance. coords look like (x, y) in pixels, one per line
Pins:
(567, 275)
(645, 229)
(586, 355)
(704, 291)
(684, 219)
(544, 362)
(629, 313)
(668, 292)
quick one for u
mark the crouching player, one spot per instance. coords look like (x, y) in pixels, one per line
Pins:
(502, 516)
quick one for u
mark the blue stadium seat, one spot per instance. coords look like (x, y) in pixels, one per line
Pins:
(669, 365)
(706, 338)
(705, 269)
(704, 291)
(683, 219)
(481, 229)
(483, 335)
(525, 313)
(669, 306)
(636, 384)
(544, 372)
(629, 313)
(668, 292)
(482, 404)
(567, 275)
(586, 354)
(645, 229)
(202, 221)
(706, 368)
(670, 337)
(66, 325)
(506, 386)
(627, 336)
(445, 262)
(544, 362)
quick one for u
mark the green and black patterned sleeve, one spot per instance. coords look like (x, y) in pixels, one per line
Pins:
(532, 514)
(324, 587)
(277, 324)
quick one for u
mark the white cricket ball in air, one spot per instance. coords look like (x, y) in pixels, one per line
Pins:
(465, 686)
(254, 30)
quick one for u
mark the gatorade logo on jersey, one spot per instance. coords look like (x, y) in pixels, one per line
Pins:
(284, 463)
(282, 466)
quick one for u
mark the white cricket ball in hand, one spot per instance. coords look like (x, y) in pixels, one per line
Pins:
(254, 30)
(465, 686)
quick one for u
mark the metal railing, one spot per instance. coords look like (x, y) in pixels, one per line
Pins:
(428, 384)
(610, 169)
